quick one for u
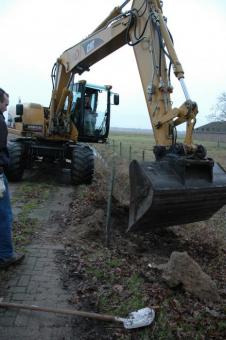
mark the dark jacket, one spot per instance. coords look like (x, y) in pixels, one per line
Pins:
(4, 154)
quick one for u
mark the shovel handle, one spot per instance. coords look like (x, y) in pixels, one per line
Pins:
(96, 316)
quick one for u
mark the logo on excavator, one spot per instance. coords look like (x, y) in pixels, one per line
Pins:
(90, 45)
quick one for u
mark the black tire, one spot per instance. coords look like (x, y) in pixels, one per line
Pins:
(15, 170)
(82, 164)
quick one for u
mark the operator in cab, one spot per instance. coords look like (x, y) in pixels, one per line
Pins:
(90, 118)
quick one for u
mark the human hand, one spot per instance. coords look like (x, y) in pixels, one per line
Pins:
(2, 186)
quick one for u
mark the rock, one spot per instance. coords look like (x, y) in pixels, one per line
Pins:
(182, 269)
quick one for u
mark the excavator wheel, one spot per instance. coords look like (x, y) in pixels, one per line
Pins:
(15, 170)
(82, 165)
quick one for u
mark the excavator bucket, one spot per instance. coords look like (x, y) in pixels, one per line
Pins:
(171, 192)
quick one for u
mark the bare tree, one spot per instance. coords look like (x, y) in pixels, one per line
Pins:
(219, 110)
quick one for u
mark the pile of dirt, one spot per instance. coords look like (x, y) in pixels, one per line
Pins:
(124, 277)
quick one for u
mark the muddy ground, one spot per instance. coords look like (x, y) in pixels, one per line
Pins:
(119, 277)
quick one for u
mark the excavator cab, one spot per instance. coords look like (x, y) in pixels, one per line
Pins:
(90, 110)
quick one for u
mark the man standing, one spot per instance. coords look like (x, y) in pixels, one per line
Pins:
(7, 254)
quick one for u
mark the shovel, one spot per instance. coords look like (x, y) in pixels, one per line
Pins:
(140, 318)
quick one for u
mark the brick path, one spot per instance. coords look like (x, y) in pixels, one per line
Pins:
(37, 281)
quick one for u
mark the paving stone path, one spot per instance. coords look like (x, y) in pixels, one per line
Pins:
(36, 281)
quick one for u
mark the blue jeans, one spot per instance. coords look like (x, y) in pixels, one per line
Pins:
(6, 219)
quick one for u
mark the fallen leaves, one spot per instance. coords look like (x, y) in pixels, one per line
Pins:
(119, 279)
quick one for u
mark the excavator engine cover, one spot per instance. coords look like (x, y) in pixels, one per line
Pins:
(174, 191)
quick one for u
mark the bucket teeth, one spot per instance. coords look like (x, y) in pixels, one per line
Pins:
(167, 193)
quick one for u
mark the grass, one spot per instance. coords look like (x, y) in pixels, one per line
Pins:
(145, 142)
(132, 146)
(26, 199)
(111, 301)
(107, 270)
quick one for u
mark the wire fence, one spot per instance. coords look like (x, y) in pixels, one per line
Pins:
(115, 154)
(132, 151)
(129, 152)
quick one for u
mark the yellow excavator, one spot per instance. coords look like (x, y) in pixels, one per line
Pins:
(182, 185)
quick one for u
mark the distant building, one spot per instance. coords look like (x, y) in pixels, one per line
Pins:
(215, 131)
(214, 127)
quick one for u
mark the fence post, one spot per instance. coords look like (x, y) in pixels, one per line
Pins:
(113, 143)
(120, 149)
(130, 153)
(218, 142)
(143, 155)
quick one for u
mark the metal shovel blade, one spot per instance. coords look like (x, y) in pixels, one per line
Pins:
(167, 193)
(140, 318)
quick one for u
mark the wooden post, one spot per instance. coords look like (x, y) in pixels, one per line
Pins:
(130, 153)
(143, 155)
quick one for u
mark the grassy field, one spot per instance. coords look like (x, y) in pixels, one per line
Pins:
(140, 146)
(132, 145)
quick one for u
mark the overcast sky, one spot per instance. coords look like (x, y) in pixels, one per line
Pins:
(34, 33)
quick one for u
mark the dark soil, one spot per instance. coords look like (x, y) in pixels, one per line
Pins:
(122, 277)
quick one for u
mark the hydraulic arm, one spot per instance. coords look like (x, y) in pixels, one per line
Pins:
(144, 28)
